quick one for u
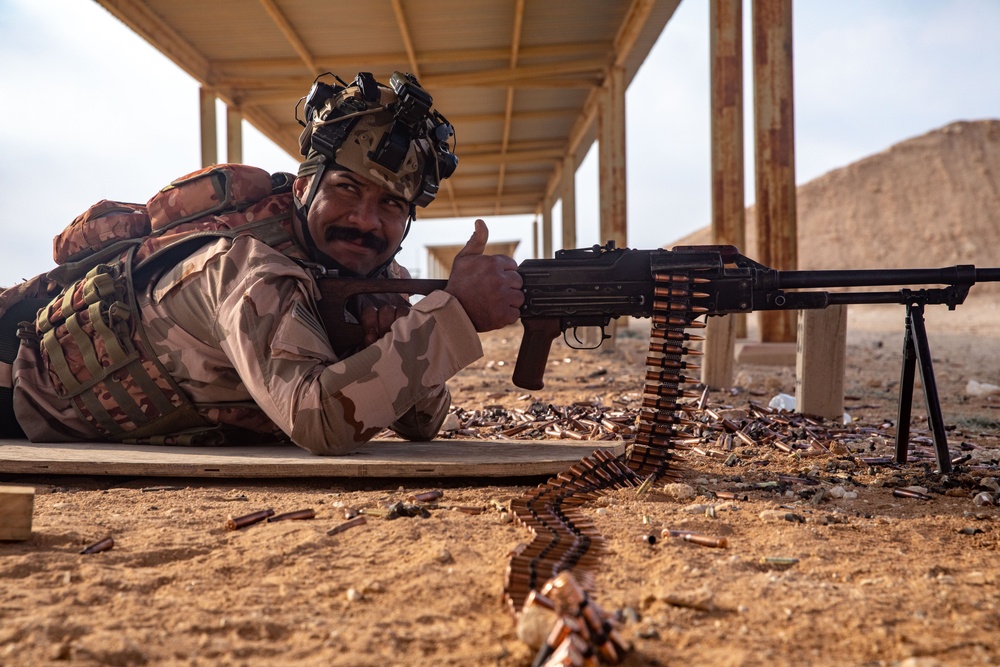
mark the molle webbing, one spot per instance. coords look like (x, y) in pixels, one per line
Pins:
(89, 342)
(21, 311)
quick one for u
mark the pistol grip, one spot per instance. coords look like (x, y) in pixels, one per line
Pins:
(536, 341)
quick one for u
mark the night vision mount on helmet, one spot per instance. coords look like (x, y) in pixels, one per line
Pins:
(389, 134)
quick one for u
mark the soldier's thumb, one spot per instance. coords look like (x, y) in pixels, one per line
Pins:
(476, 244)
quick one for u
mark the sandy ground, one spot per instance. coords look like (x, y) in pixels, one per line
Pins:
(874, 580)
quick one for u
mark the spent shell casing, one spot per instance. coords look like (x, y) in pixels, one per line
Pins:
(706, 541)
(427, 496)
(778, 560)
(696, 538)
(297, 515)
(351, 523)
(649, 539)
(906, 493)
(467, 509)
(100, 545)
(235, 523)
(675, 532)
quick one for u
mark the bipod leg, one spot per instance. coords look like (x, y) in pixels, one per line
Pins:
(926, 367)
(905, 391)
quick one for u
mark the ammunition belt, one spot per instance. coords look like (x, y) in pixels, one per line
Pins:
(556, 569)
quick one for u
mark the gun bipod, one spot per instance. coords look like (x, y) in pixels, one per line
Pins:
(917, 354)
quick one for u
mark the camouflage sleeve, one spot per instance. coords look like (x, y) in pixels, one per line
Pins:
(266, 323)
(423, 420)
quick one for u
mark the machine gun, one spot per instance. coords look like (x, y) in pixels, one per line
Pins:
(588, 287)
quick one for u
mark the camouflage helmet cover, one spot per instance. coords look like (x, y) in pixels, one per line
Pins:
(389, 135)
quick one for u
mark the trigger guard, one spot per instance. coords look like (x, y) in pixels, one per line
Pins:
(580, 345)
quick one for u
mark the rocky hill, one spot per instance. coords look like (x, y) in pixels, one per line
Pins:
(929, 201)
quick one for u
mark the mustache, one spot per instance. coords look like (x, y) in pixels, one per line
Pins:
(368, 239)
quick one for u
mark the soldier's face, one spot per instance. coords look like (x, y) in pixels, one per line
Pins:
(355, 221)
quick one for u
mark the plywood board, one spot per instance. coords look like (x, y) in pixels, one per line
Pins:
(439, 458)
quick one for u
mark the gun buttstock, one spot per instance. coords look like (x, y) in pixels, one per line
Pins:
(536, 341)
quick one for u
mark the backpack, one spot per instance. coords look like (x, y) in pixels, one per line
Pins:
(80, 314)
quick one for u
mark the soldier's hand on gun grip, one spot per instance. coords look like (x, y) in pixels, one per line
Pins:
(377, 320)
(487, 286)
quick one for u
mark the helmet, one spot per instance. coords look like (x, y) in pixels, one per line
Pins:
(388, 134)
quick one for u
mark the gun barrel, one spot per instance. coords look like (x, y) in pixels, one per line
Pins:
(987, 275)
(965, 274)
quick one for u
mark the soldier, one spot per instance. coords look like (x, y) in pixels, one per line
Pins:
(227, 341)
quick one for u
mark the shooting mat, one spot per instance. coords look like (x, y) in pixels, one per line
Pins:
(379, 458)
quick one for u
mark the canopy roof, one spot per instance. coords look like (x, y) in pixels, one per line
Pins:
(519, 79)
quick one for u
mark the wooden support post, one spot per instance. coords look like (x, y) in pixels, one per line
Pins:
(611, 172)
(209, 133)
(611, 159)
(546, 229)
(774, 137)
(728, 199)
(17, 503)
(819, 362)
(719, 360)
(567, 192)
(234, 135)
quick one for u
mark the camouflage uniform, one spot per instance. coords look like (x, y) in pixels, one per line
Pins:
(148, 339)
(235, 326)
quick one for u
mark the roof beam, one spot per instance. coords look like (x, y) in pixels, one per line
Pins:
(257, 66)
(552, 155)
(489, 198)
(404, 32)
(515, 45)
(522, 76)
(492, 147)
(289, 32)
(137, 16)
(536, 114)
(625, 40)
(276, 95)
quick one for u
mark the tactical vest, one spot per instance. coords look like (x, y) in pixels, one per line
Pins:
(90, 336)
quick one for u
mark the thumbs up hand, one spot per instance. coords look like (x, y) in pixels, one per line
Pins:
(487, 286)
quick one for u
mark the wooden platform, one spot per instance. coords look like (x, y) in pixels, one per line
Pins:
(439, 458)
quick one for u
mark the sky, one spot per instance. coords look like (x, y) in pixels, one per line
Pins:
(90, 111)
